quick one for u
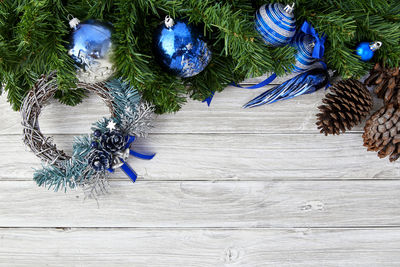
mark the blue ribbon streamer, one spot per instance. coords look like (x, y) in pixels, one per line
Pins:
(319, 47)
(126, 168)
(318, 53)
(209, 99)
(267, 81)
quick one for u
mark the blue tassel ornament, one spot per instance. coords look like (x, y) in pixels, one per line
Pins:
(305, 83)
(276, 24)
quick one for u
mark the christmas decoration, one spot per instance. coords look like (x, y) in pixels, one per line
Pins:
(276, 24)
(310, 47)
(386, 82)
(304, 45)
(345, 106)
(382, 131)
(91, 47)
(34, 40)
(94, 156)
(181, 48)
(366, 50)
(305, 83)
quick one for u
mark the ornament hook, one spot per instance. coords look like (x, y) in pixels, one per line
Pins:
(73, 22)
(169, 22)
(375, 46)
(289, 9)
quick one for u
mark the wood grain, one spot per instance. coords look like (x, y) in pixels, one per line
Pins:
(228, 187)
(206, 204)
(200, 247)
(228, 157)
(225, 115)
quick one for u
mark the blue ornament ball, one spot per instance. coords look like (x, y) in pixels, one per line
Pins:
(366, 50)
(276, 24)
(180, 48)
(304, 43)
(90, 46)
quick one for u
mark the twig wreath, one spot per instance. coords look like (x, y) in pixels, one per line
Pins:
(94, 156)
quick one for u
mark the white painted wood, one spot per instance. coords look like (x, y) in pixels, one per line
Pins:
(200, 247)
(228, 187)
(226, 156)
(207, 204)
(225, 115)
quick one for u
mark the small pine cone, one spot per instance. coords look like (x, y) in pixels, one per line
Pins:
(382, 132)
(386, 82)
(348, 103)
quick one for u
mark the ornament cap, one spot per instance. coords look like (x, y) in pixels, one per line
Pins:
(73, 22)
(169, 22)
(289, 8)
(375, 45)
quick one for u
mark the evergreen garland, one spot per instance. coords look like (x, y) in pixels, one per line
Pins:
(33, 35)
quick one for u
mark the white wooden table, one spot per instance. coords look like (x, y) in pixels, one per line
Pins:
(228, 187)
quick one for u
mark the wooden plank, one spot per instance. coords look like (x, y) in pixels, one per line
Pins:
(201, 204)
(210, 247)
(232, 157)
(224, 116)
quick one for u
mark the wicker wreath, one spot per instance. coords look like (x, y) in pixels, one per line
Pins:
(95, 155)
(44, 89)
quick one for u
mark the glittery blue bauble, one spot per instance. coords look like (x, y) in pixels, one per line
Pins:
(276, 24)
(181, 49)
(304, 45)
(90, 46)
(364, 51)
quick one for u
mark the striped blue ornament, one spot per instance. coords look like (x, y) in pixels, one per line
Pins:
(304, 44)
(276, 24)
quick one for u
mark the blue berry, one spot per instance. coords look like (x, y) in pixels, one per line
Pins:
(97, 133)
(94, 144)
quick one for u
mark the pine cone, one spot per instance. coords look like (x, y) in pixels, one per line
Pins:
(99, 160)
(382, 132)
(386, 82)
(348, 103)
(113, 141)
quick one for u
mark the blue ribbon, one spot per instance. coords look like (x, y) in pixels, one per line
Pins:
(209, 99)
(267, 81)
(125, 166)
(319, 47)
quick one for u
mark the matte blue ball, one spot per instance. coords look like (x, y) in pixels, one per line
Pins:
(181, 49)
(275, 25)
(364, 51)
(304, 46)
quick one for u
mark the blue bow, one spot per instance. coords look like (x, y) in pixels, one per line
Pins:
(122, 156)
(319, 47)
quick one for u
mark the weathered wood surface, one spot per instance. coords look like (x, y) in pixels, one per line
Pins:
(225, 115)
(228, 187)
(226, 156)
(200, 247)
(207, 204)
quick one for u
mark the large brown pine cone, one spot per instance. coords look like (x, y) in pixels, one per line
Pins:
(348, 103)
(386, 82)
(382, 131)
